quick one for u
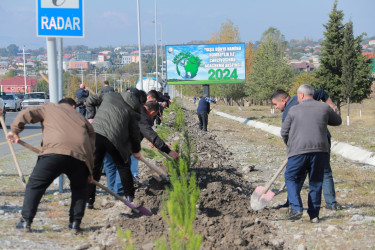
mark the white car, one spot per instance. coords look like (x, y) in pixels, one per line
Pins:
(34, 99)
(11, 102)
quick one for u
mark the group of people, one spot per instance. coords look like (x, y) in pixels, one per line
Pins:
(308, 141)
(76, 145)
(109, 127)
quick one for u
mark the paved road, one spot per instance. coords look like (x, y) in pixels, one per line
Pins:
(31, 134)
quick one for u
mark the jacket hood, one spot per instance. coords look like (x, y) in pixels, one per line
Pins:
(131, 100)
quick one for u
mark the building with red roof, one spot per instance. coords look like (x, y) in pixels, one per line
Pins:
(17, 85)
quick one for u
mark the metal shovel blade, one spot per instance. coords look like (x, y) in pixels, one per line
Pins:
(259, 199)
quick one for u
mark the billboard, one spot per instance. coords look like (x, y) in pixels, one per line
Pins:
(206, 63)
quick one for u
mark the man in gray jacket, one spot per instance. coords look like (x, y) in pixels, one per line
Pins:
(117, 132)
(304, 131)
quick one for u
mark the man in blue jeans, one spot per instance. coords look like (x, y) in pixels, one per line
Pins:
(284, 102)
(113, 176)
(304, 132)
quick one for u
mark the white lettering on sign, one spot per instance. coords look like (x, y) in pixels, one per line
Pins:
(60, 23)
(68, 4)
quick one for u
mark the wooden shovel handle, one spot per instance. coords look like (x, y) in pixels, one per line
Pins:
(12, 151)
(274, 177)
(154, 168)
(28, 146)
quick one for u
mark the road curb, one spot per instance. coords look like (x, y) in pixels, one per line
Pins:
(346, 150)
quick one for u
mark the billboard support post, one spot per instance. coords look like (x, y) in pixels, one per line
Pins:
(206, 89)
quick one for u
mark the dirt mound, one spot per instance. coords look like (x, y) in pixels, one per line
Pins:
(224, 217)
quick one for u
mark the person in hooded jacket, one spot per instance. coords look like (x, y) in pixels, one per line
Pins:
(117, 132)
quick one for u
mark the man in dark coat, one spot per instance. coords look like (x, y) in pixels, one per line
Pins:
(82, 94)
(117, 132)
(203, 110)
(106, 88)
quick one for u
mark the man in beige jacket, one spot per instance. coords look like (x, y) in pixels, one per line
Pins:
(67, 147)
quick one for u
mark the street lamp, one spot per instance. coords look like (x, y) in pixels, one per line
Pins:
(139, 48)
(156, 44)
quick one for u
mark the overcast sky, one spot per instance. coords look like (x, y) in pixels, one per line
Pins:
(114, 22)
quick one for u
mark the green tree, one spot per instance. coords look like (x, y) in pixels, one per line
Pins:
(348, 64)
(42, 86)
(270, 69)
(12, 50)
(11, 73)
(330, 71)
(344, 72)
(249, 55)
(300, 79)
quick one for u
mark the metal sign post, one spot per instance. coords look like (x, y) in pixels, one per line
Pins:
(58, 18)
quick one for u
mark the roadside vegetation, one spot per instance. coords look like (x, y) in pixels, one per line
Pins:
(179, 204)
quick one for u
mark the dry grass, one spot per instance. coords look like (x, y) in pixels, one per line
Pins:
(361, 131)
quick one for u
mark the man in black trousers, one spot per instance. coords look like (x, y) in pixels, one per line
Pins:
(67, 147)
(203, 110)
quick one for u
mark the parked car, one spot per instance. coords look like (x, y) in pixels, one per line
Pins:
(20, 96)
(2, 108)
(33, 99)
(11, 102)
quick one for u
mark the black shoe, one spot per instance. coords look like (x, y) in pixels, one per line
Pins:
(334, 207)
(294, 215)
(314, 220)
(75, 226)
(136, 180)
(90, 205)
(286, 204)
(24, 225)
(130, 198)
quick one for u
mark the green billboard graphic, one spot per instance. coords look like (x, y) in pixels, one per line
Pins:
(206, 63)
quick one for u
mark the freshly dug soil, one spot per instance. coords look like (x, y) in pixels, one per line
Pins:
(224, 217)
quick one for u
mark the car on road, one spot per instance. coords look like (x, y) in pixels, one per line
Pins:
(11, 102)
(33, 99)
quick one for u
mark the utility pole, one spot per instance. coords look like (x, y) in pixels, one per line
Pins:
(139, 47)
(156, 43)
(162, 53)
(82, 70)
(24, 67)
(96, 84)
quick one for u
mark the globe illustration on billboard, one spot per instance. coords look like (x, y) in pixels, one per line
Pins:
(187, 65)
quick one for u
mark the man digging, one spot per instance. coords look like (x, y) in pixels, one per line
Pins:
(304, 132)
(67, 147)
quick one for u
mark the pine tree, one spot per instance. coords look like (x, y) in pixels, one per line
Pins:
(348, 64)
(330, 71)
(270, 69)
(343, 72)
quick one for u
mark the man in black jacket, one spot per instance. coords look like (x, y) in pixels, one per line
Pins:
(148, 112)
(106, 88)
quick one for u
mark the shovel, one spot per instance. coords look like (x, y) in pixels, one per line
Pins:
(262, 195)
(138, 210)
(155, 168)
(12, 151)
